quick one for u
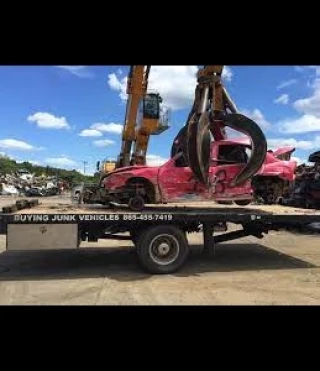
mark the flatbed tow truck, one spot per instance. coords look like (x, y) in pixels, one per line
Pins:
(159, 233)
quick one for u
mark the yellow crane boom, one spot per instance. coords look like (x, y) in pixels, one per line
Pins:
(151, 121)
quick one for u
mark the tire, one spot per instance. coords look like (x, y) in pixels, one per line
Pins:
(224, 202)
(136, 203)
(150, 193)
(154, 258)
(270, 200)
(243, 202)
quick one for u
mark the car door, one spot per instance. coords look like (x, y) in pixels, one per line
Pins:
(228, 159)
(176, 180)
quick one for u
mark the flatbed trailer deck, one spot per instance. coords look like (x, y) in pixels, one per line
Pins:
(159, 232)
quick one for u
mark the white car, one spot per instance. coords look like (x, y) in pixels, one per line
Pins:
(8, 189)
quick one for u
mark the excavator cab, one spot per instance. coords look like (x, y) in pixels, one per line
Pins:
(145, 116)
(106, 166)
(151, 106)
(152, 110)
(153, 119)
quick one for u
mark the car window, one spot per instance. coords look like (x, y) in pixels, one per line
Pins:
(180, 161)
(232, 154)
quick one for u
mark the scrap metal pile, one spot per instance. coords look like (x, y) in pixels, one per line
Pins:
(305, 190)
(23, 183)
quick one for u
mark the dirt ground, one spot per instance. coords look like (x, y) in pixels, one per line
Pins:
(283, 268)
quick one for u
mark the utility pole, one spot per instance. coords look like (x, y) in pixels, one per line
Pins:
(84, 167)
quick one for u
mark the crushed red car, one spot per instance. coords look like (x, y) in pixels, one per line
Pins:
(174, 181)
(276, 175)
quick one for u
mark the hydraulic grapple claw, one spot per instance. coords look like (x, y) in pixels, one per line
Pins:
(198, 146)
(247, 126)
(179, 143)
(195, 144)
(208, 116)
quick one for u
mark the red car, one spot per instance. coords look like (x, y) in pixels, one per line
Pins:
(276, 175)
(174, 181)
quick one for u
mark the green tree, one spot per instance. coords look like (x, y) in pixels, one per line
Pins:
(8, 166)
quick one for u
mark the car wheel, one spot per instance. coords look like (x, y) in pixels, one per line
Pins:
(243, 202)
(136, 203)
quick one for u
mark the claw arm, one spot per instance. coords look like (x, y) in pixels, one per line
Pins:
(209, 115)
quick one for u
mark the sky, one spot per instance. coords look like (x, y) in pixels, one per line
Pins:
(72, 116)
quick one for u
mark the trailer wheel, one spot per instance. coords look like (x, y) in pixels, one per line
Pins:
(162, 249)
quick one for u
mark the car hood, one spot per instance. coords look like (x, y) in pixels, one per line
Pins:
(133, 168)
